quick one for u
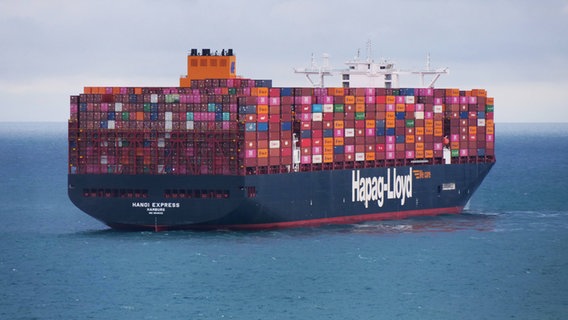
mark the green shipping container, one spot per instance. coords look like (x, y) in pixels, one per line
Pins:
(125, 116)
(359, 115)
(410, 123)
(338, 108)
(147, 107)
(489, 108)
(455, 153)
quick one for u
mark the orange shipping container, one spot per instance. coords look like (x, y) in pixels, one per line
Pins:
(391, 123)
(370, 124)
(327, 158)
(328, 150)
(472, 130)
(428, 154)
(140, 116)
(438, 132)
(359, 107)
(370, 156)
(349, 99)
(338, 141)
(391, 99)
(400, 107)
(419, 146)
(338, 124)
(263, 153)
(453, 92)
(419, 131)
(336, 91)
(409, 138)
(360, 100)
(455, 145)
(262, 92)
(262, 109)
(419, 154)
(490, 101)
(328, 142)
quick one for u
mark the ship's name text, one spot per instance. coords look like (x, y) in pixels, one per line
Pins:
(155, 204)
(368, 189)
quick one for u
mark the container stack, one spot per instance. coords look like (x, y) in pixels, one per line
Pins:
(243, 126)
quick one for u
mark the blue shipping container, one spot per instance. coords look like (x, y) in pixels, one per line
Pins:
(262, 126)
(251, 126)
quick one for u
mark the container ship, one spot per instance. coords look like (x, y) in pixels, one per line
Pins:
(226, 152)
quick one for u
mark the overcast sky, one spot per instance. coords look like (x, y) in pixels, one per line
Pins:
(517, 50)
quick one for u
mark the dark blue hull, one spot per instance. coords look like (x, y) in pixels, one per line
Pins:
(166, 202)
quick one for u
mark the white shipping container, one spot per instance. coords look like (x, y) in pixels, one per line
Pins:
(118, 106)
(154, 98)
(481, 122)
(169, 125)
(274, 144)
(317, 158)
(419, 115)
(161, 143)
(438, 108)
(328, 107)
(318, 116)
(409, 99)
(169, 116)
(111, 124)
(360, 156)
(189, 125)
(349, 132)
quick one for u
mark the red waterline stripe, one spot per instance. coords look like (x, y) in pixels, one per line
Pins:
(396, 215)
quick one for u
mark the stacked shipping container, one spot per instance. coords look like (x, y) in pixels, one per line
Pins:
(243, 126)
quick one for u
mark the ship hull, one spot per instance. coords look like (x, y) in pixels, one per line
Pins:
(294, 199)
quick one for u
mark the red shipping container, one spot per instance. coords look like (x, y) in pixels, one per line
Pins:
(285, 152)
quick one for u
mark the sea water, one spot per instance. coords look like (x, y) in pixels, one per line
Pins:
(505, 258)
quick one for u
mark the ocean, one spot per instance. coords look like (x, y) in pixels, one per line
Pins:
(506, 257)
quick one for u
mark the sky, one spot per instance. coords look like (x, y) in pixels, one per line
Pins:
(51, 49)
